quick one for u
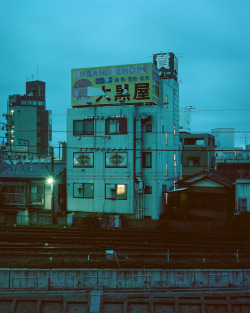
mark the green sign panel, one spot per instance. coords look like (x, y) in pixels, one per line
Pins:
(130, 84)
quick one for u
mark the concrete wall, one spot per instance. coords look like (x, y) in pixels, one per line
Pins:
(120, 279)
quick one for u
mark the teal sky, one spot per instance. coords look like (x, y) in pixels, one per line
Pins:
(210, 37)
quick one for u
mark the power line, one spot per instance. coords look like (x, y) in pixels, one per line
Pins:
(110, 149)
(129, 132)
(168, 110)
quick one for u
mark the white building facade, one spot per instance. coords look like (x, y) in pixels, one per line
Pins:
(242, 195)
(123, 155)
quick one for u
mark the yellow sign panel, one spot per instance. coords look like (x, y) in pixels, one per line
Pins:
(130, 84)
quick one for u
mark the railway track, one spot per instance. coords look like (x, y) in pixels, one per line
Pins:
(61, 244)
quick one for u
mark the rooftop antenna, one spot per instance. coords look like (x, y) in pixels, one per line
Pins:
(29, 77)
(245, 137)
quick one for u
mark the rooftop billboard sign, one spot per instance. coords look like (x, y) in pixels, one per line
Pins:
(167, 63)
(130, 84)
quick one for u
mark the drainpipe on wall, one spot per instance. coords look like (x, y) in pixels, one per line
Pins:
(138, 164)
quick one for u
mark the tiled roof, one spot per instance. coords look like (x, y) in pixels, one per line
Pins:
(210, 174)
(221, 180)
(3, 166)
(33, 170)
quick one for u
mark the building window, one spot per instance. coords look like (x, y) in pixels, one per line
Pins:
(148, 189)
(166, 101)
(166, 169)
(166, 138)
(242, 204)
(175, 164)
(116, 191)
(174, 130)
(194, 161)
(83, 159)
(12, 189)
(146, 159)
(148, 128)
(83, 190)
(83, 127)
(116, 126)
(194, 141)
(36, 193)
(116, 159)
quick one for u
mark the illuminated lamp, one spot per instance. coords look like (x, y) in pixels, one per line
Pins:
(50, 180)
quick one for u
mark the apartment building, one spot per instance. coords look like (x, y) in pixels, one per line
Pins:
(29, 124)
(123, 149)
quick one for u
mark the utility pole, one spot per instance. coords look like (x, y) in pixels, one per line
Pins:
(53, 216)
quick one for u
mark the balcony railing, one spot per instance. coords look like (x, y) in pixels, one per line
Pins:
(35, 199)
(18, 199)
(13, 198)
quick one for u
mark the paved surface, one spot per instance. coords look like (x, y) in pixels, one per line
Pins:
(107, 302)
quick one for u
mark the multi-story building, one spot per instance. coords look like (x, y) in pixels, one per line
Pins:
(198, 153)
(28, 194)
(123, 140)
(224, 138)
(29, 127)
(185, 119)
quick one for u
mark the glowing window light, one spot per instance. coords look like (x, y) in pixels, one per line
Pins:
(120, 189)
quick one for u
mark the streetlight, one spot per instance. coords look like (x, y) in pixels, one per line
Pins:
(50, 181)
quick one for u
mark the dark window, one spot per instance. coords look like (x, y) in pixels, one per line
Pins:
(194, 141)
(146, 159)
(83, 127)
(13, 189)
(83, 190)
(116, 159)
(83, 159)
(116, 191)
(148, 128)
(116, 126)
(148, 190)
(194, 161)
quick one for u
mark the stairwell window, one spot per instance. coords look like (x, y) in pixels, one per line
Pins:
(146, 159)
(166, 101)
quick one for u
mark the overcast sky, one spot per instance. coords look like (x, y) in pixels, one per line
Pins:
(210, 38)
